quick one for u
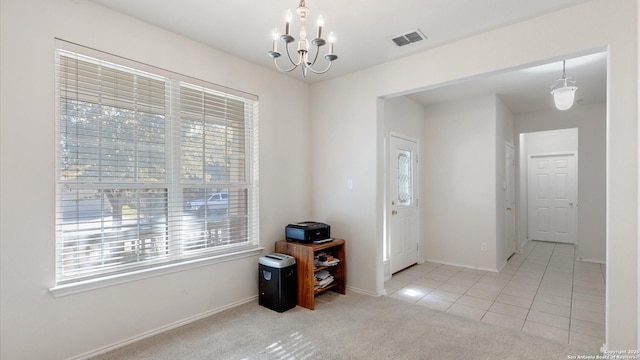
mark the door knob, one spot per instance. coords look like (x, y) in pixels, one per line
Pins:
(393, 212)
(509, 209)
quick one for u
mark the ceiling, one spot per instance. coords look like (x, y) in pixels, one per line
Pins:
(528, 89)
(364, 29)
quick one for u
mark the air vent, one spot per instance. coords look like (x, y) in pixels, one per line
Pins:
(409, 38)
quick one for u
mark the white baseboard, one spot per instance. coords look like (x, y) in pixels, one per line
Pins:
(386, 265)
(474, 267)
(595, 261)
(159, 330)
(502, 266)
(366, 292)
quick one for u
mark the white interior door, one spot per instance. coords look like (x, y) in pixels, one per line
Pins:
(510, 209)
(403, 217)
(552, 198)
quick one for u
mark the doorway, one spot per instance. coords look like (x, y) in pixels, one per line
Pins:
(403, 197)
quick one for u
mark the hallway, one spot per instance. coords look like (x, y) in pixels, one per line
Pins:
(544, 292)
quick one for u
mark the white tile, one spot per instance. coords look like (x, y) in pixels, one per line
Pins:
(498, 282)
(551, 308)
(543, 292)
(447, 270)
(586, 315)
(393, 285)
(526, 278)
(564, 285)
(596, 299)
(475, 302)
(556, 300)
(411, 293)
(504, 274)
(554, 274)
(488, 286)
(560, 269)
(521, 293)
(474, 272)
(503, 320)
(483, 294)
(591, 290)
(432, 265)
(586, 305)
(445, 295)
(430, 283)
(418, 270)
(466, 311)
(462, 280)
(523, 285)
(509, 310)
(434, 303)
(406, 276)
(587, 328)
(544, 318)
(437, 277)
(514, 300)
(458, 289)
(529, 272)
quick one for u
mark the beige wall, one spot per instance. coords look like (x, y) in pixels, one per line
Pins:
(350, 140)
(36, 325)
(504, 134)
(459, 202)
(348, 130)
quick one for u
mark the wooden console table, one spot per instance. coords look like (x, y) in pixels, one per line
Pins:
(304, 255)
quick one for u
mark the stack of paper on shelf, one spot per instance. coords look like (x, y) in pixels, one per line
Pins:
(322, 279)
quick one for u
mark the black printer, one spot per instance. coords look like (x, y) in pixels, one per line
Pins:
(308, 232)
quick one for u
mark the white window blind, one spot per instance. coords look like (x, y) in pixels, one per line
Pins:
(153, 168)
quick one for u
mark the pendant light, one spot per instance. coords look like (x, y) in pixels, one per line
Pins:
(564, 90)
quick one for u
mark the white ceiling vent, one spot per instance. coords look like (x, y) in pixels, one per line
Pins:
(409, 38)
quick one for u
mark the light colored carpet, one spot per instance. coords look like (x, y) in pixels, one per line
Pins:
(351, 326)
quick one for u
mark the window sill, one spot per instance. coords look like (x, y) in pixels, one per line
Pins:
(87, 285)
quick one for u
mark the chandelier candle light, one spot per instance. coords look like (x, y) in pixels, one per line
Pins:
(565, 90)
(303, 44)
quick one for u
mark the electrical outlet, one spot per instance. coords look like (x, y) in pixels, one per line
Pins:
(483, 247)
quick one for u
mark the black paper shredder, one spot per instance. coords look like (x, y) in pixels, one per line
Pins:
(278, 284)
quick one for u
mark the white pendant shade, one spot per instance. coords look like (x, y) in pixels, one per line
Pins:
(563, 94)
(564, 97)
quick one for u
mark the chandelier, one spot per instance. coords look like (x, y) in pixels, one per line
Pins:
(303, 59)
(564, 90)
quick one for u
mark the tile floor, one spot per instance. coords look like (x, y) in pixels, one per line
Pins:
(543, 292)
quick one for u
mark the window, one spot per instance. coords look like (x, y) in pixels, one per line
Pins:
(153, 168)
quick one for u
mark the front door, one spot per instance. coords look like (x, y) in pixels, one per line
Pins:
(403, 209)
(552, 198)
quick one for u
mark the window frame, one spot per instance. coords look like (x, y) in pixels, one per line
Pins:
(173, 185)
